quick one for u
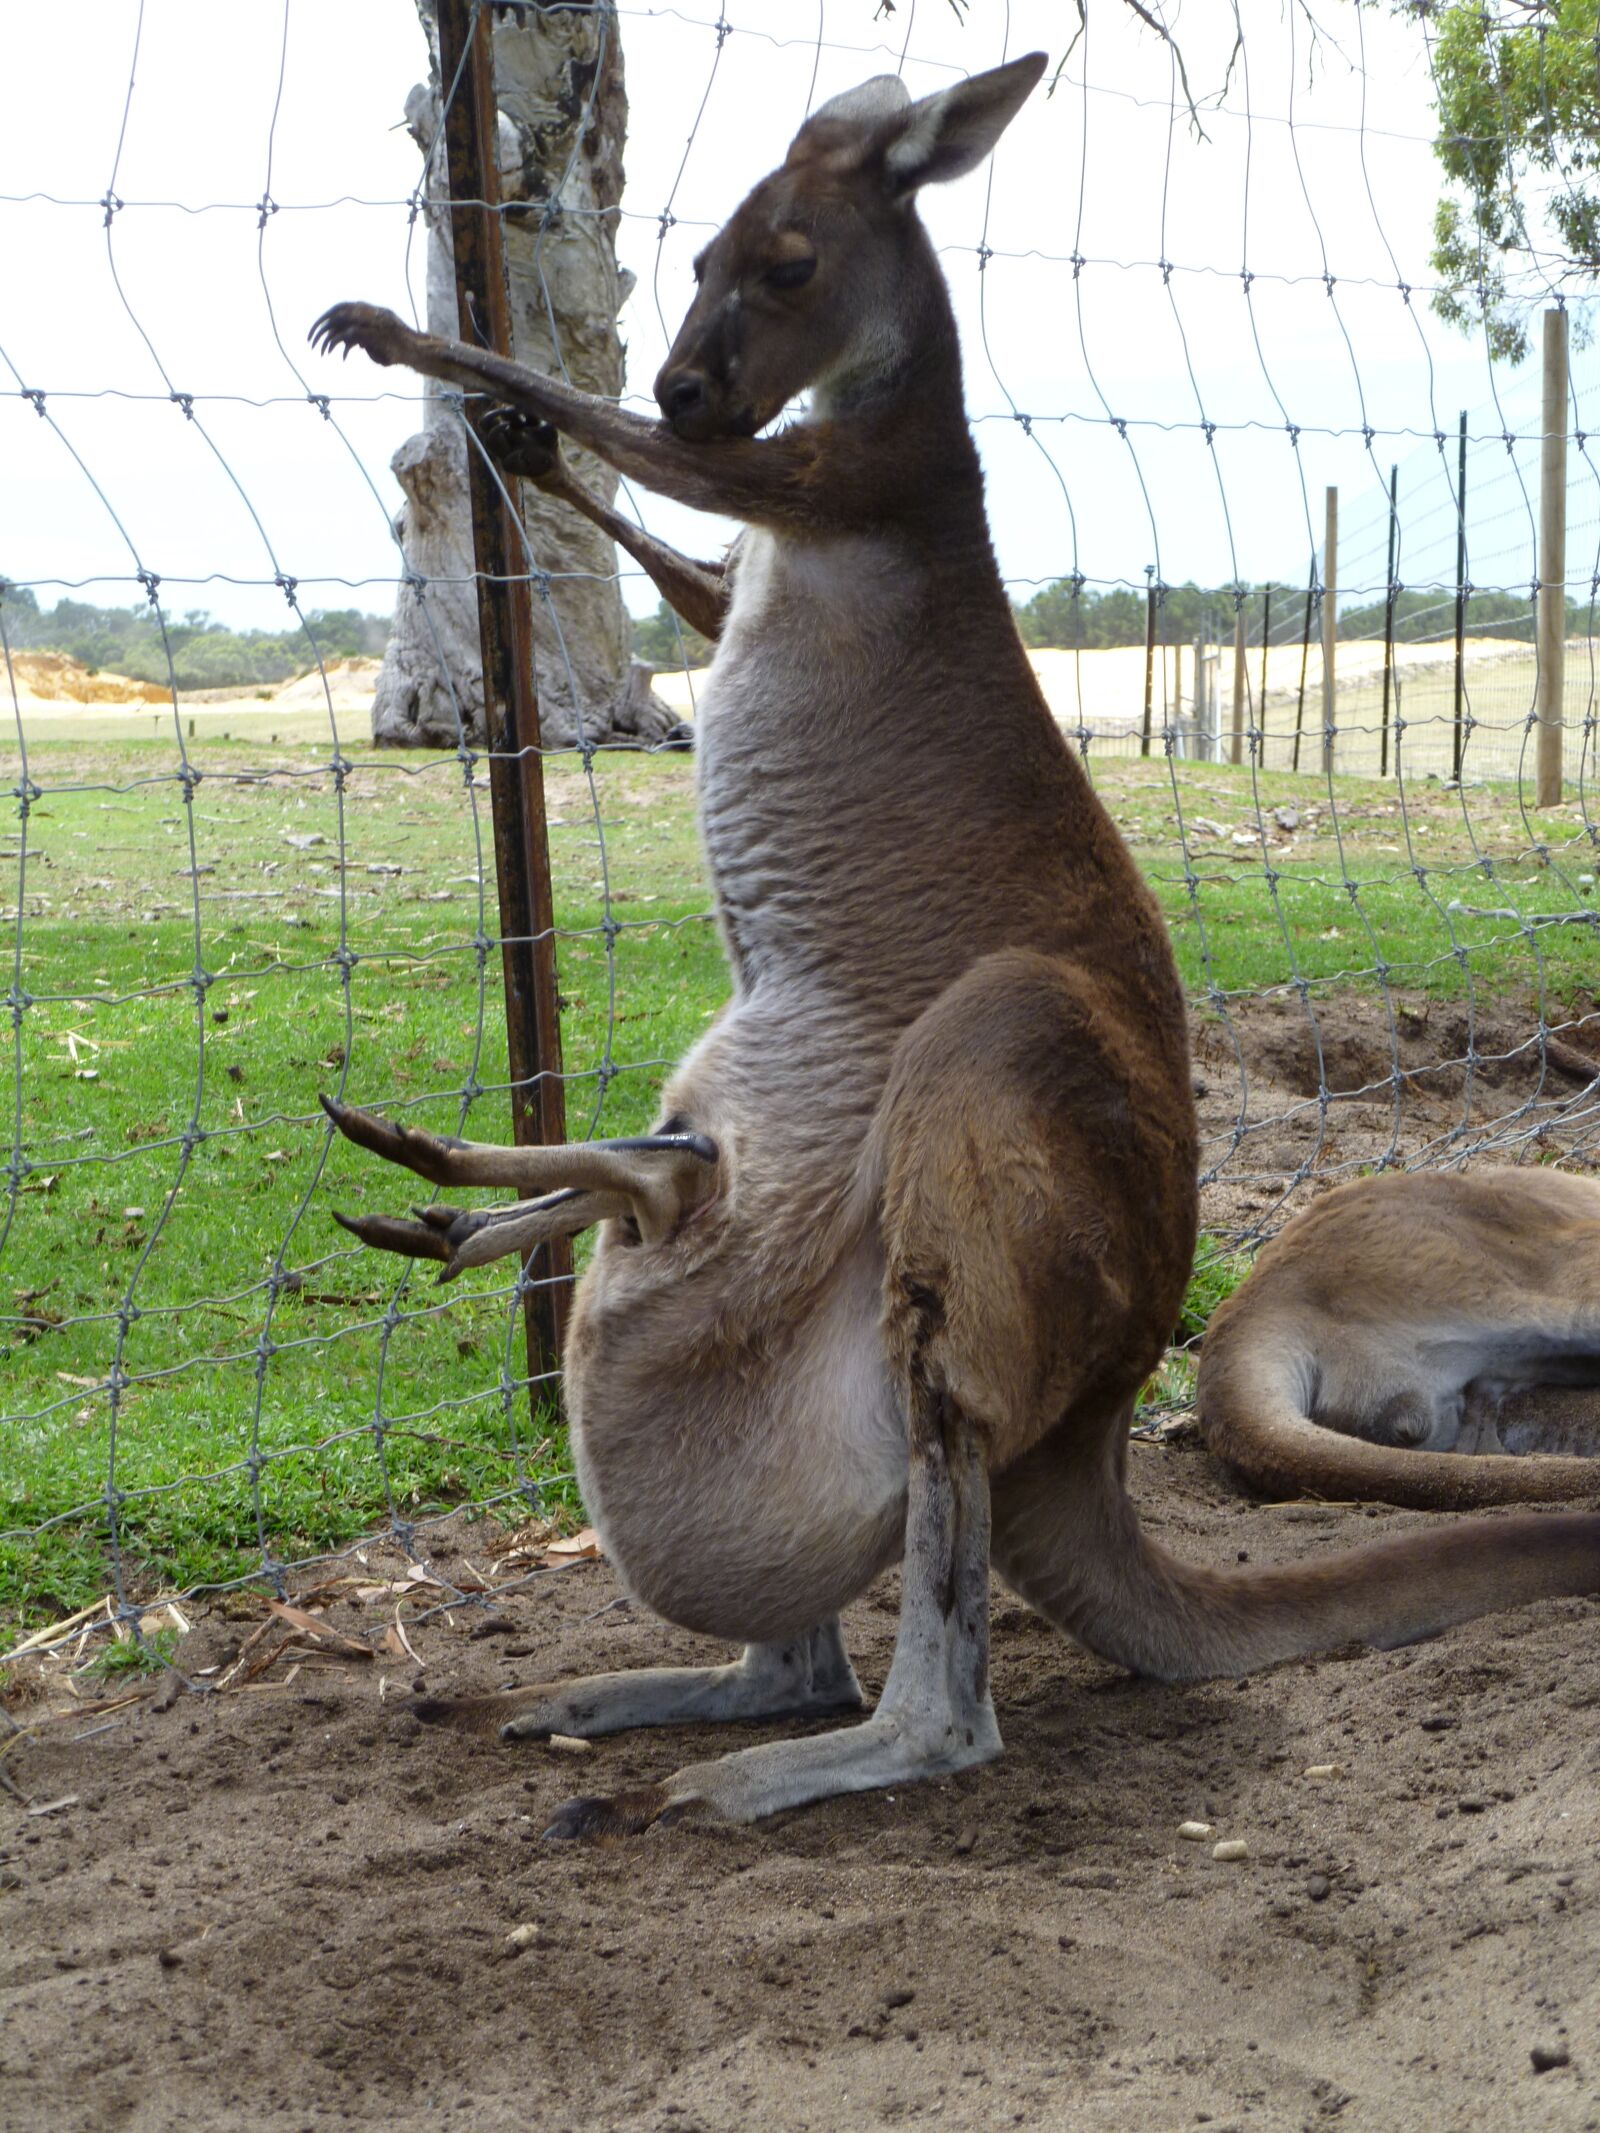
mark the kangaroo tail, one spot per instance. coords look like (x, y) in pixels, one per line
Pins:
(1250, 1401)
(1067, 1539)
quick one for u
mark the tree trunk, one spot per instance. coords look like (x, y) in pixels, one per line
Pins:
(563, 114)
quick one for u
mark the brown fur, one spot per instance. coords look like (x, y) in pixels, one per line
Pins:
(1403, 1322)
(953, 1202)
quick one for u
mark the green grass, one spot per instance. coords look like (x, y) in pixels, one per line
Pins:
(1240, 932)
(1219, 1268)
(147, 1653)
(110, 1212)
(378, 1389)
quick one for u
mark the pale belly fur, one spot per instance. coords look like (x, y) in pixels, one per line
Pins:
(752, 1500)
(751, 1503)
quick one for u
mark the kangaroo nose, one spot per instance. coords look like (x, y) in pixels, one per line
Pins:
(681, 395)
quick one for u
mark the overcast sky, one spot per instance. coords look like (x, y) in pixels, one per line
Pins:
(186, 293)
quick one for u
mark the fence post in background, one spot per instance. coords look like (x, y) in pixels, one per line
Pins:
(1458, 741)
(505, 623)
(1388, 629)
(1330, 618)
(1177, 697)
(1552, 615)
(1305, 661)
(1266, 632)
(1149, 655)
(1236, 744)
(1202, 745)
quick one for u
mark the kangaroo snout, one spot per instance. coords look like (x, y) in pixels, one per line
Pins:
(682, 396)
(696, 405)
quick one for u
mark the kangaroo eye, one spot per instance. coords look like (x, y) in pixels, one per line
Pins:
(790, 273)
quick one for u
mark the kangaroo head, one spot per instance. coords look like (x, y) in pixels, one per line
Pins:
(818, 281)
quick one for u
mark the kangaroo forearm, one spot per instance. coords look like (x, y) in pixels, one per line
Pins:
(698, 591)
(762, 480)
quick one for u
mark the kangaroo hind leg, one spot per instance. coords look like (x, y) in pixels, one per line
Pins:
(1041, 1207)
(653, 1180)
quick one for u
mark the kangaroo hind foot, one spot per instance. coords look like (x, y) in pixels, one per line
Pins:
(811, 1673)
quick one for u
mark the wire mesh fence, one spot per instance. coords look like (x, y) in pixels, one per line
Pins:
(224, 901)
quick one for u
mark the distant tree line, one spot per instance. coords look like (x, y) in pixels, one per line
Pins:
(1069, 615)
(1420, 617)
(208, 655)
(1066, 616)
(205, 653)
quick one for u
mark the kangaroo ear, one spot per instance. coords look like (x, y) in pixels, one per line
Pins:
(867, 105)
(945, 136)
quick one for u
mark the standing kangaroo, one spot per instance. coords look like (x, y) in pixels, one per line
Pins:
(918, 1216)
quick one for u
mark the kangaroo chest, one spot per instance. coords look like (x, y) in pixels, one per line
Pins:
(799, 733)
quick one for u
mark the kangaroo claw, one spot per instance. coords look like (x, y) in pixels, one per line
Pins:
(376, 332)
(388, 1233)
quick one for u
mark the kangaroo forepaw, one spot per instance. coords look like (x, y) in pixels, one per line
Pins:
(521, 444)
(376, 332)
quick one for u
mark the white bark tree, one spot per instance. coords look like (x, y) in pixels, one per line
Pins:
(562, 119)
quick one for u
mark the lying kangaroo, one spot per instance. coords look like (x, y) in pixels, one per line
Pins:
(916, 1222)
(1415, 1319)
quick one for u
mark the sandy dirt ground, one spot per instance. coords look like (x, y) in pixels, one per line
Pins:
(58, 700)
(1398, 1094)
(1105, 687)
(291, 1905)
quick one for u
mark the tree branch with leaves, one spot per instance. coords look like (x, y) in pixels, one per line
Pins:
(1518, 88)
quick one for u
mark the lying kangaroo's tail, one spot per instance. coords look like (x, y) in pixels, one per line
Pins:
(1251, 1410)
(1068, 1540)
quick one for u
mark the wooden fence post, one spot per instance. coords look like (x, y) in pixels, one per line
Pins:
(1388, 631)
(1552, 612)
(1458, 729)
(1266, 638)
(1330, 617)
(1177, 687)
(505, 624)
(1236, 745)
(1202, 730)
(1305, 661)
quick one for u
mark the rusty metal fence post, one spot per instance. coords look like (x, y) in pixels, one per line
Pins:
(505, 622)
